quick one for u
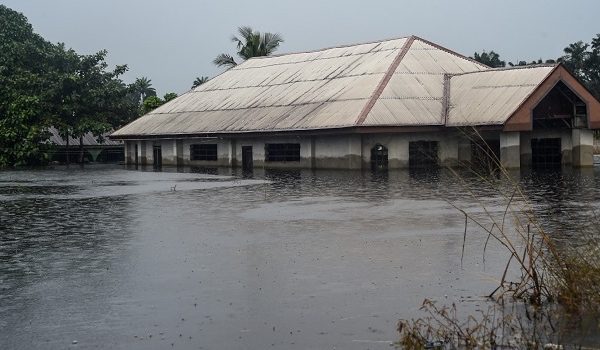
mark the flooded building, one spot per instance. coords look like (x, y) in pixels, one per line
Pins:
(96, 149)
(397, 103)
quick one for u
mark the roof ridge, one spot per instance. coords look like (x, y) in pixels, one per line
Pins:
(383, 83)
(497, 69)
(439, 47)
(329, 48)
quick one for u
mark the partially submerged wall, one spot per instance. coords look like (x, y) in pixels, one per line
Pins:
(353, 151)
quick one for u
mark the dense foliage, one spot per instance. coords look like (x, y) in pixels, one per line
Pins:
(153, 102)
(46, 85)
(584, 61)
(28, 77)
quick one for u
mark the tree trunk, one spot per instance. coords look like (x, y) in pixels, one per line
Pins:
(81, 150)
(67, 150)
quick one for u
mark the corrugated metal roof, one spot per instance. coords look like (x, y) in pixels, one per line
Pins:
(490, 97)
(395, 82)
(88, 140)
(415, 93)
(312, 90)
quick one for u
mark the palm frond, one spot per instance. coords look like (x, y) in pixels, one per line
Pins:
(225, 60)
(199, 81)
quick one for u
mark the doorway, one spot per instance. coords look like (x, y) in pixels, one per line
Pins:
(247, 158)
(546, 153)
(157, 157)
(379, 157)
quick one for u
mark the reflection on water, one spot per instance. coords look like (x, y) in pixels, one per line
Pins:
(273, 258)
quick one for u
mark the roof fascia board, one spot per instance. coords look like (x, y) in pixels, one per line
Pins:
(522, 118)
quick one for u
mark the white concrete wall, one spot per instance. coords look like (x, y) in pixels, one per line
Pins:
(583, 147)
(510, 149)
(398, 147)
(338, 152)
(169, 152)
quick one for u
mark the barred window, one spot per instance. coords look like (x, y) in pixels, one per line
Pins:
(203, 152)
(282, 152)
(422, 154)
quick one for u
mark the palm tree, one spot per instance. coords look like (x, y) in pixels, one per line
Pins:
(143, 88)
(575, 58)
(250, 44)
(199, 81)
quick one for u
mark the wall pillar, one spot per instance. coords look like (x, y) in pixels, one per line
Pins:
(128, 152)
(583, 147)
(355, 152)
(143, 157)
(464, 151)
(448, 151)
(510, 150)
(179, 153)
(232, 153)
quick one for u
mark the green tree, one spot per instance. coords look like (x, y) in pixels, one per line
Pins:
(199, 81)
(583, 60)
(44, 85)
(143, 87)
(92, 98)
(250, 44)
(491, 59)
(151, 103)
(28, 76)
(169, 96)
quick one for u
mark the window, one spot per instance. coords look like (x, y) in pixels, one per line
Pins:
(203, 152)
(546, 153)
(282, 152)
(423, 154)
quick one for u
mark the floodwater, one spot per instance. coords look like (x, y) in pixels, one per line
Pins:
(124, 259)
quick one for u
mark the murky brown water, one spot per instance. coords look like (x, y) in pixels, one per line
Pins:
(113, 258)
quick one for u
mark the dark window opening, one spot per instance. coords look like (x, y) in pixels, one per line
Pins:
(423, 154)
(546, 153)
(560, 109)
(203, 152)
(379, 157)
(282, 152)
(111, 155)
(485, 154)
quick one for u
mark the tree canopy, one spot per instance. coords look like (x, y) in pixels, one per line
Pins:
(250, 43)
(584, 61)
(46, 85)
(490, 59)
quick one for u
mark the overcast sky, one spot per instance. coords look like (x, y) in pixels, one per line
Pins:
(172, 42)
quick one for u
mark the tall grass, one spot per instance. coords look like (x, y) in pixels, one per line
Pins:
(548, 295)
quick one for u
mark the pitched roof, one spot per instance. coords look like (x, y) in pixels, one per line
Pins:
(490, 97)
(400, 82)
(88, 140)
